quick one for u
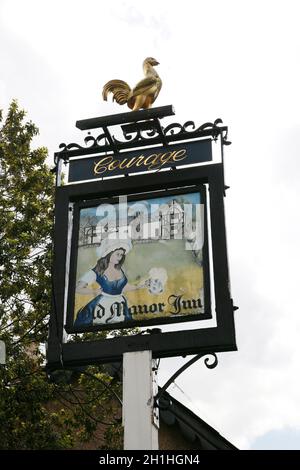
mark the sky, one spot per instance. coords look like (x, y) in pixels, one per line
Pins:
(234, 60)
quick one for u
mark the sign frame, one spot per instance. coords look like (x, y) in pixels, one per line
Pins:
(163, 344)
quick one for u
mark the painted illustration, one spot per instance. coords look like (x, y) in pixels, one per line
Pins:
(109, 303)
(140, 261)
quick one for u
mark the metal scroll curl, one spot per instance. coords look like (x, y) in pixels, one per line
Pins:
(91, 141)
(141, 132)
(183, 368)
(174, 129)
(65, 147)
(129, 137)
(190, 127)
(207, 361)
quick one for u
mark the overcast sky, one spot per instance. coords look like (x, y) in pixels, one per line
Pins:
(235, 60)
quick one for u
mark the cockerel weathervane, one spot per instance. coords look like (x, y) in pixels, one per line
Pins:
(142, 95)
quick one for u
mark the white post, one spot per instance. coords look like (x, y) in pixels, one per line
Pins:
(2, 353)
(139, 421)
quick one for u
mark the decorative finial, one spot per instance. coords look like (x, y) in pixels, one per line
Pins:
(143, 95)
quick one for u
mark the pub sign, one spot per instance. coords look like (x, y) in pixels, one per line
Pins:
(140, 241)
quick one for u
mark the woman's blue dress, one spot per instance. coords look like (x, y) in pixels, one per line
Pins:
(108, 307)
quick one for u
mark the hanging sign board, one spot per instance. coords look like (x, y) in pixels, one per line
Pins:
(153, 159)
(139, 261)
(141, 247)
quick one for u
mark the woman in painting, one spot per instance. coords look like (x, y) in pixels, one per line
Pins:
(109, 305)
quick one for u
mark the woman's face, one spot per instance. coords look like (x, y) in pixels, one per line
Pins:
(116, 256)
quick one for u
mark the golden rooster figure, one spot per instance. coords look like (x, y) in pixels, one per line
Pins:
(143, 94)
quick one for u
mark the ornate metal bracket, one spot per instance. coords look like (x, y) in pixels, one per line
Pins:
(137, 129)
(183, 368)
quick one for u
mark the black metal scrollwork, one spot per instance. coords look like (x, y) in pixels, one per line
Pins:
(129, 137)
(184, 367)
(214, 363)
(72, 146)
(145, 133)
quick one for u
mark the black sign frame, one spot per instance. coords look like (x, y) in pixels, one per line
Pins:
(175, 343)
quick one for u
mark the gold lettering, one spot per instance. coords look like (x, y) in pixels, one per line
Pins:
(114, 165)
(152, 161)
(166, 157)
(180, 155)
(131, 162)
(124, 163)
(101, 165)
(139, 160)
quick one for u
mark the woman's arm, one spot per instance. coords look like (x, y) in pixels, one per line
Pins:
(131, 287)
(82, 288)
(84, 284)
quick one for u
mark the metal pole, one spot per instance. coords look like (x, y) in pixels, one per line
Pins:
(139, 421)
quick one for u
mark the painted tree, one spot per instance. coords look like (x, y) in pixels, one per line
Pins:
(36, 413)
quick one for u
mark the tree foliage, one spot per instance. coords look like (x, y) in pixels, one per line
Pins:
(36, 413)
